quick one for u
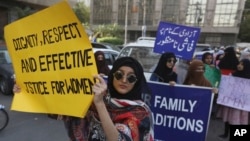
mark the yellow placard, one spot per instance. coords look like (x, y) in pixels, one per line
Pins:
(53, 61)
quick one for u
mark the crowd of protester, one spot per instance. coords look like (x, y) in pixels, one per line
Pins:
(107, 117)
(207, 72)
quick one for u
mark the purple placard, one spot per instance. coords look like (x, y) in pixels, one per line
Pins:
(178, 39)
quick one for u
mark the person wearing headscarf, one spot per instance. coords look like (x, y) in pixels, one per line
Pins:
(102, 67)
(233, 116)
(195, 74)
(118, 112)
(164, 69)
(229, 61)
(227, 65)
(243, 69)
(212, 74)
(207, 58)
(140, 85)
(218, 56)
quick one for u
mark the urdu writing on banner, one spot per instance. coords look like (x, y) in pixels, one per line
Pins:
(178, 39)
(234, 92)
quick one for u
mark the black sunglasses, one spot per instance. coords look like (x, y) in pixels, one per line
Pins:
(131, 78)
(171, 60)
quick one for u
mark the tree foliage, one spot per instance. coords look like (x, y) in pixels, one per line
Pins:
(109, 30)
(23, 12)
(244, 34)
(101, 31)
(110, 33)
(111, 40)
(82, 12)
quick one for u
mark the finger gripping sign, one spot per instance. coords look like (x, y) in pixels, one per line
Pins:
(53, 62)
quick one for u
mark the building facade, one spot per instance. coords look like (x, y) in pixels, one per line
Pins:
(219, 20)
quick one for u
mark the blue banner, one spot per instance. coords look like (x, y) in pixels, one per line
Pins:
(180, 112)
(178, 39)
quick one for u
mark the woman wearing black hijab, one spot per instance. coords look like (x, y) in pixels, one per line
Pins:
(125, 110)
(118, 111)
(233, 116)
(101, 64)
(164, 69)
(228, 63)
(243, 69)
(140, 85)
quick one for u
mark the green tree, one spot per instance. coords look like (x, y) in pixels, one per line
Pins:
(23, 12)
(244, 34)
(82, 12)
(110, 33)
(109, 30)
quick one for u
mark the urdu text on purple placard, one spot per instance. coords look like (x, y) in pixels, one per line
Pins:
(178, 39)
